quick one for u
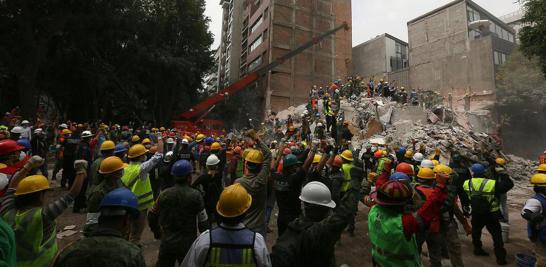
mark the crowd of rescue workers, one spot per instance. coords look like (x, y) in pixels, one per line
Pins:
(210, 197)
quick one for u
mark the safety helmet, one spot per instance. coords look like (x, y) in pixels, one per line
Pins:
(168, 157)
(477, 169)
(286, 151)
(17, 130)
(86, 134)
(233, 201)
(118, 202)
(107, 145)
(181, 168)
(170, 140)
(120, 148)
(146, 141)
(399, 176)
(215, 146)
(161, 129)
(2, 166)
(38, 131)
(8, 146)
(427, 163)
(418, 157)
(405, 168)
(209, 140)
(426, 174)
(213, 160)
(317, 193)
(338, 162)
(135, 138)
(317, 158)
(136, 151)
(500, 161)
(155, 129)
(402, 150)
(66, 131)
(541, 167)
(24, 143)
(538, 179)
(392, 193)
(184, 141)
(290, 160)
(347, 155)
(320, 124)
(435, 162)
(378, 154)
(254, 156)
(3, 181)
(32, 184)
(200, 138)
(441, 168)
(63, 125)
(408, 154)
(111, 164)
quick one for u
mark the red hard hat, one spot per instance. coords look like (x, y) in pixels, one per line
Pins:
(338, 161)
(286, 151)
(392, 193)
(9, 146)
(378, 154)
(405, 168)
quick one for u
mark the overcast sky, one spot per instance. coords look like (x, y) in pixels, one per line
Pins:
(375, 17)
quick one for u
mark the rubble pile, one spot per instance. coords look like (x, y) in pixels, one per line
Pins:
(519, 168)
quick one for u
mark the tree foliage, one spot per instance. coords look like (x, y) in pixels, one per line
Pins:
(533, 34)
(104, 59)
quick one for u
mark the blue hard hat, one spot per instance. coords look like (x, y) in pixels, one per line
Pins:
(477, 169)
(402, 150)
(399, 176)
(120, 198)
(120, 148)
(181, 168)
(24, 142)
(209, 140)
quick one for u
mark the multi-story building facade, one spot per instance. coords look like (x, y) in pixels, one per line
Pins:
(458, 47)
(267, 29)
(515, 20)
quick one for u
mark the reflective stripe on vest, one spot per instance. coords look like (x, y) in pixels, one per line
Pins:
(142, 189)
(32, 250)
(488, 191)
(346, 167)
(389, 244)
(231, 248)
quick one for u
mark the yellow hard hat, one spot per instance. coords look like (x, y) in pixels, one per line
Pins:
(441, 168)
(146, 141)
(200, 137)
(111, 164)
(66, 131)
(162, 129)
(107, 145)
(317, 158)
(155, 129)
(435, 162)
(255, 156)
(32, 184)
(542, 167)
(500, 161)
(426, 173)
(2, 165)
(215, 146)
(245, 152)
(135, 138)
(538, 179)
(137, 151)
(408, 154)
(234, 201)
(347, 155)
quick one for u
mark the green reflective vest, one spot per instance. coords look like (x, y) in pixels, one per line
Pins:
(141, 188)
(484, 187)
(33, 248)
(389, 244)
(346, 168)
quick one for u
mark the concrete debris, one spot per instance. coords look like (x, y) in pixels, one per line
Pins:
(520, 169)
(66, 233)
(69, 227)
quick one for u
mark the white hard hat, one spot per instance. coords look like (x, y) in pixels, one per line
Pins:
(185, 141)
(170, 140)
(418, 157)
(213, 160)
(319, 124)
(38, 130)
(317, 193)
(17, 130)
(25, 122)
(63, 125)
(427, 163)
(86, 134)
(337, 91)
(3, 181)
(168, 157)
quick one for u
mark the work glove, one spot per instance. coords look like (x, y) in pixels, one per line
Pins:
(34, 162)
(80, 165)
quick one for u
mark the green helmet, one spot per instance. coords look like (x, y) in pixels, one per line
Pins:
(290, 160)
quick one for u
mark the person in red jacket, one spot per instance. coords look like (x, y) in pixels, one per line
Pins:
(9, 155)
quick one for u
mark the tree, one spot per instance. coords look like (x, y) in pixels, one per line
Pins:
(533, 35)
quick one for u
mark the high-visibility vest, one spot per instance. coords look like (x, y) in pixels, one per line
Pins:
(389, 244)
(33, 248)
(488, 191)
(141, 188)
(346, 168)
(231, 248)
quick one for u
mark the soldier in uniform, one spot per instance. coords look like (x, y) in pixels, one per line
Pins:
(172, 218)
(106, 246)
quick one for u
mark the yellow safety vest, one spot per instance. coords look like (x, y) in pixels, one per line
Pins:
(141, 188)
(488, 191)
(32, 249)
(346, 184)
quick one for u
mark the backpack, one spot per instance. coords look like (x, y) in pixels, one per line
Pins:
(288, 249)
(479, 203)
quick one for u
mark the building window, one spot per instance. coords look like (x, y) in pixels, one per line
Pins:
(257, 24)
(255, 63)
(499, 58)
(256, 43)
(473, 15)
